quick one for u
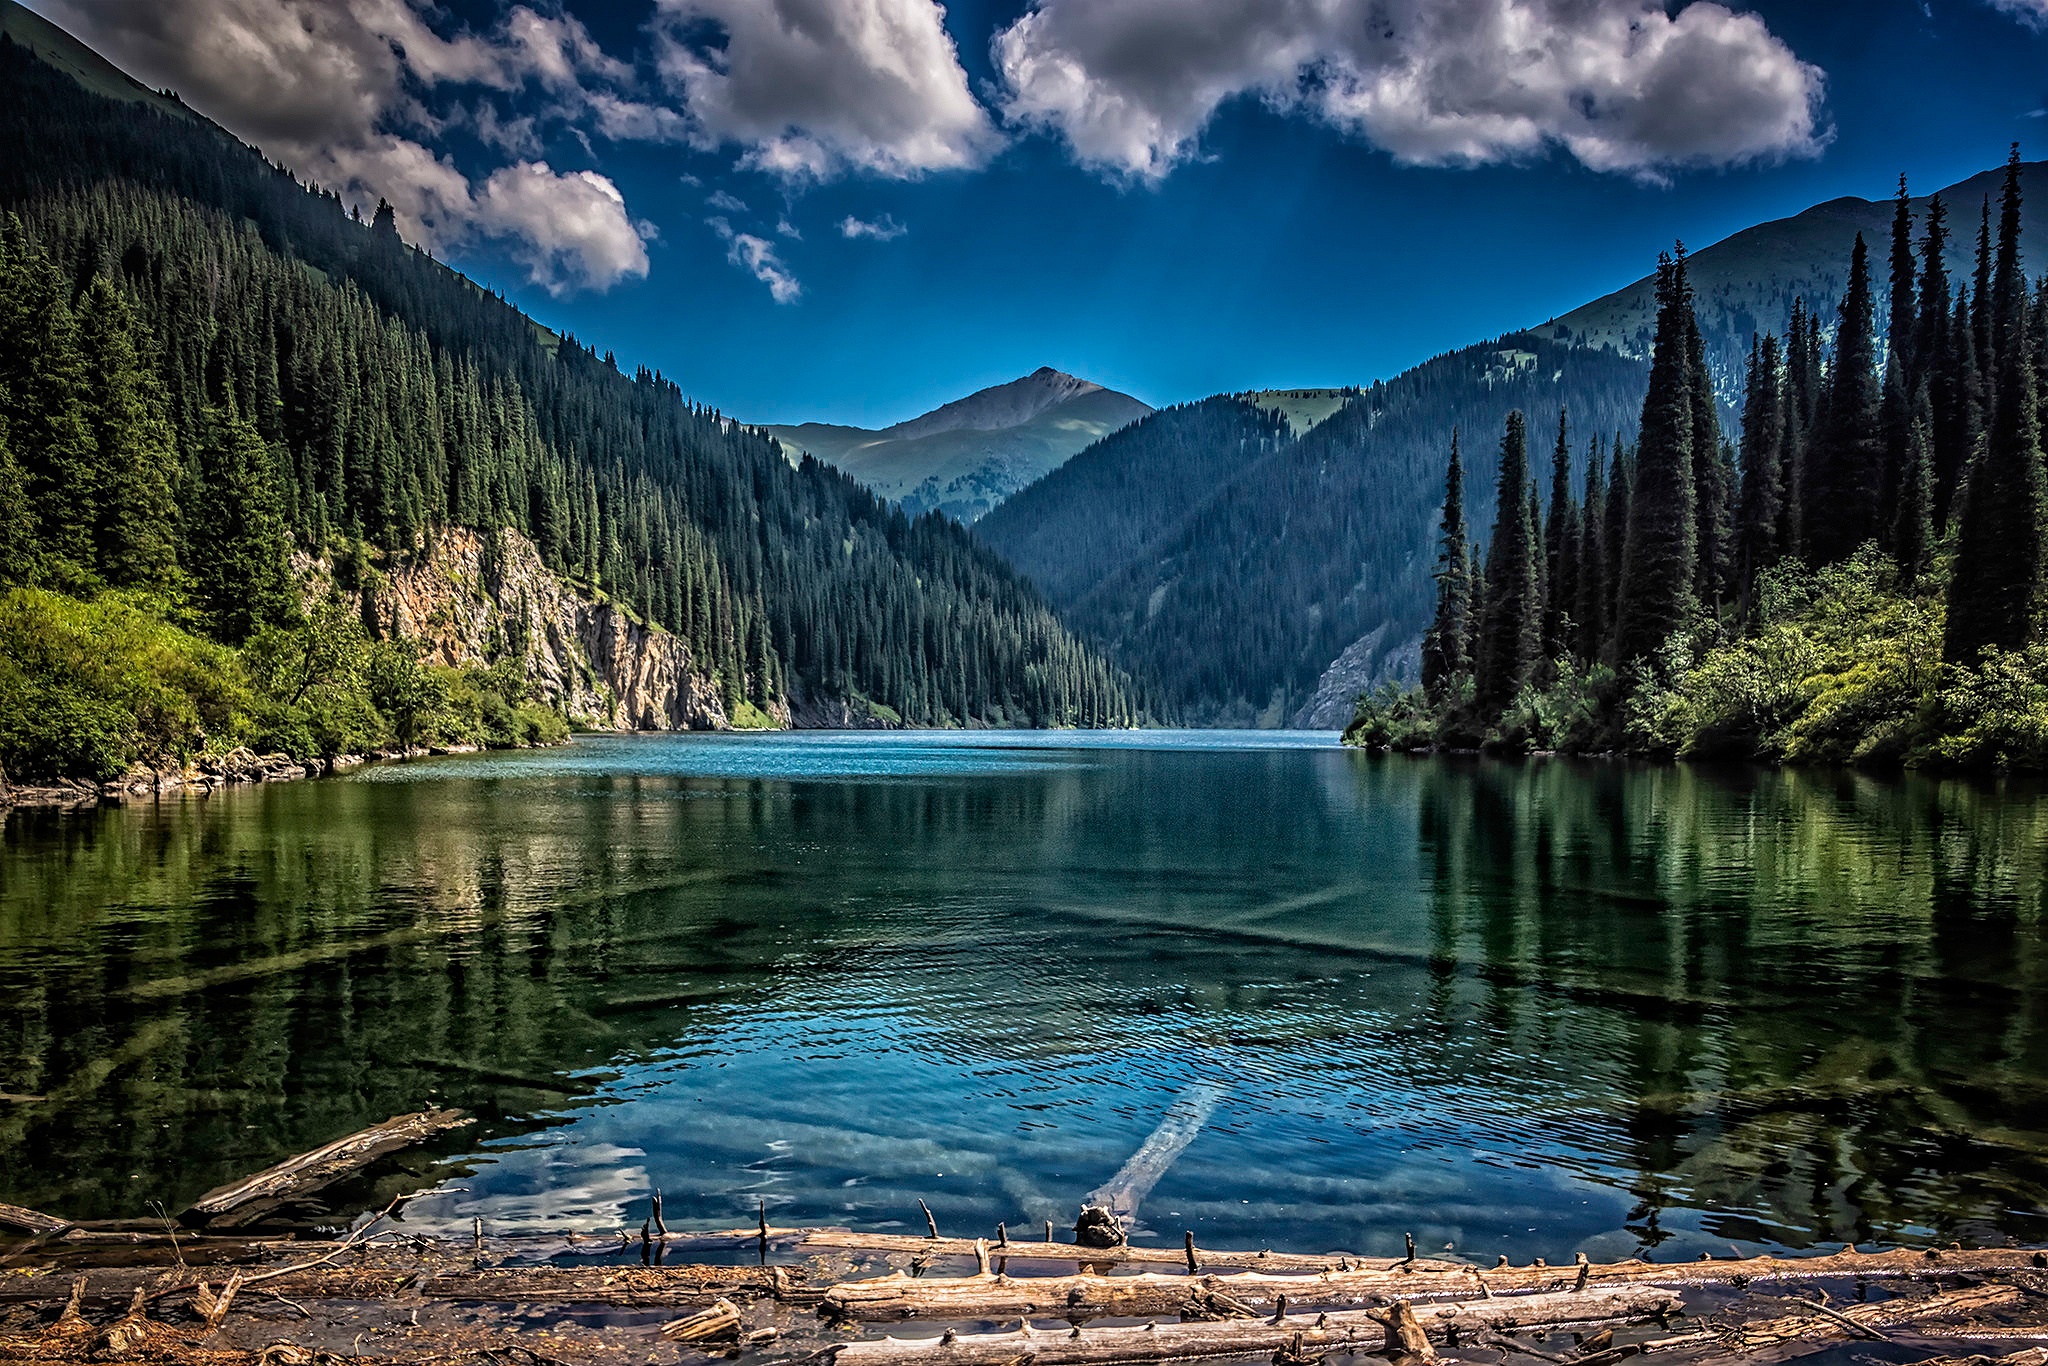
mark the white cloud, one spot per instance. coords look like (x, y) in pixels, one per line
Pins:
(756, 255)
(883, 229)
(726, 202)
(785, 228)
(336, 89)
(570, 230)
(2031, 12)
(814, 88)
(1622, 85)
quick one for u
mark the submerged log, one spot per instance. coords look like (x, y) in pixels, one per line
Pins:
(251, 1198)
(897, 1297)
(627, 1286)
(1819, 1325)
(1309, 1335)
(1016, 1250)
(721, 1320)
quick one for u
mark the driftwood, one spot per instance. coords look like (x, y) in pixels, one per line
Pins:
(629, 1286)
(1821, 1324)
(251, 1198)
(897, 1297)
(1352, 1331)
(1034, 1250)
(15, 1219)
(721, 1320)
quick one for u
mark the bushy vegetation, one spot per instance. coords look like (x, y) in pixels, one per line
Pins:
(90, 687)
(1862, 579)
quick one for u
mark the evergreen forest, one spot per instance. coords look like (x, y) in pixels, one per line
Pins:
(214, 379)
(1854, 574)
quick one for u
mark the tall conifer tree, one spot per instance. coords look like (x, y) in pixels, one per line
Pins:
(1660, 559)
(1560, 549)
(1510, 640)
(1763, 464)
(1994, 592)
(1591, 606)
(1845, 465)
(1444, 656)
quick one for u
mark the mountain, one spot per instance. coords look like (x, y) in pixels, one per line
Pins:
(1264, 578)
(1310, 559)
(1746, 283)
(211, 373)
(966, 457)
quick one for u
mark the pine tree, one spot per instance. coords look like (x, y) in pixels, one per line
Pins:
(1763, 464)
(1560, 549)
(1444, 656)
(237, 548)
(1933, 300)
(1999, 549)
(1591, 606)
(1904, 316)
(1958, 388)
(1913, 527)
(1660, 557)
(18, 548)
(1509, 641)
(135, 531)
(1711, 502)
(1621, 480)
(1845, 469)
(42, 400)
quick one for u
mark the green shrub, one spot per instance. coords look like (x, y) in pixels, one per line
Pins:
(89, 688)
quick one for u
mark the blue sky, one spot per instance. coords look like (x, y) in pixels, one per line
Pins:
(1172, 197)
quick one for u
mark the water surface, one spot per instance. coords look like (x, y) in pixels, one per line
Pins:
(1524, 1008)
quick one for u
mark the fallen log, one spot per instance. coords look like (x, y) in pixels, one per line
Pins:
(1018, 1249)
(897, 1297)
(624, 1286)
(1312, 1335)
(249, 1199)
(1818, 1324)
(15, 1219)
(721, 1320)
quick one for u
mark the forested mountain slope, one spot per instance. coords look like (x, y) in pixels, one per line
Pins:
(1236, 565)
(298, 379)
(1745, 284)
(969, 455)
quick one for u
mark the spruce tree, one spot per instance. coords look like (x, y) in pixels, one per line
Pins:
(1845, 465)
(42, 399)
(1660, 558)
(1444, 656)
(1913, 527)
(1560, 550)
(1995, 589)
(1763, 464)
(135, 526)
(237, 552)
(1958, 388)
(1590, 609)
(1509, 640)
(18, 541)
(1711, 501)
(1621, 478)
(1903, 315)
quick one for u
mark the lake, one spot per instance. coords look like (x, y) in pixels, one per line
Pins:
(1530, 1008)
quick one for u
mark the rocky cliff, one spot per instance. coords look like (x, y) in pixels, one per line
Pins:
(591, 657)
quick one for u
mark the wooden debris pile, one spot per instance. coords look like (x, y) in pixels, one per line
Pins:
(227, 1289)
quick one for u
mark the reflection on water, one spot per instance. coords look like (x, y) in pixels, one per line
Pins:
(1523, 1008)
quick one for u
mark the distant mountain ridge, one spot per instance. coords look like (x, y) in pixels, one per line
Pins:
(967, 456)
(1747, 281)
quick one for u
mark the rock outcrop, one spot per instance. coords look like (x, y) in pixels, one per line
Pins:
(1370, 660)
(590, 657)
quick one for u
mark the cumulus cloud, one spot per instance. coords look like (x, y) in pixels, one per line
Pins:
(815, 88)
(570, 230)
(337, 89)
(2031, 12)
(1622, 85)
(756, 255)
(883, 229)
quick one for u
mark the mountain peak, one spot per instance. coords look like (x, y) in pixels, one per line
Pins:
(999, 406)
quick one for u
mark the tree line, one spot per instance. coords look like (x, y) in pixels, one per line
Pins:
(1837, 579)
(207, 368)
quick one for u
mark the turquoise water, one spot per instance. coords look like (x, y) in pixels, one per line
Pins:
(1531, 1008)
